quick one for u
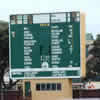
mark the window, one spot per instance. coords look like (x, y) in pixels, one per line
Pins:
(58, 86)
(19, 19)
(38, 87)
(43, 86)
(53, 86)
(13, 19)
(48, 87)
(27, 19)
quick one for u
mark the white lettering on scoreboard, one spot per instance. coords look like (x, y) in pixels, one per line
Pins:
(56, 49)
(29, 42)
(57, 18)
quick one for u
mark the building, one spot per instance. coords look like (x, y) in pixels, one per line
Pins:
(55, 89)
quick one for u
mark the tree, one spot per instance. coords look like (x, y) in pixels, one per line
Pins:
(4, 56)
(89, 36)
(93, 64)
(98, 37)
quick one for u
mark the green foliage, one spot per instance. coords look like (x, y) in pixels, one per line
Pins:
(4, 55)
(98, 37)
(89, 36)
(93, 64)
(4, 35)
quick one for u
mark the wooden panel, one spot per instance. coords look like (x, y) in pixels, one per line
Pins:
(83, 46)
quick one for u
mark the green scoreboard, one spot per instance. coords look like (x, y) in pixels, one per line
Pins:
(45, 45)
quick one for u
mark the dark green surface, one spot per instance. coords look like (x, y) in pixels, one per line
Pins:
(76, 44)
(17, 47)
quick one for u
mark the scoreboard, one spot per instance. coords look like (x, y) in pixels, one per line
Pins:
(45, 45)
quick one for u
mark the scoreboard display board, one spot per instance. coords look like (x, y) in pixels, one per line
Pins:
(45, 45)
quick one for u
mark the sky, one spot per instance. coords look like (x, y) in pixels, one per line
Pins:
(90, 7)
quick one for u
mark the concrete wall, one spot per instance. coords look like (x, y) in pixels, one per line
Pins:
(65, 93)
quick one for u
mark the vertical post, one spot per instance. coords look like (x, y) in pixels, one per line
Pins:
(83, 46)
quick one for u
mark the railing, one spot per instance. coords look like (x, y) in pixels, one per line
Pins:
(11, 95)
(77, 93)
(84, 93)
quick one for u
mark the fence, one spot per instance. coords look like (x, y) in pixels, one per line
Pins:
(77, 93)
(11, 95)
(83, 93)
